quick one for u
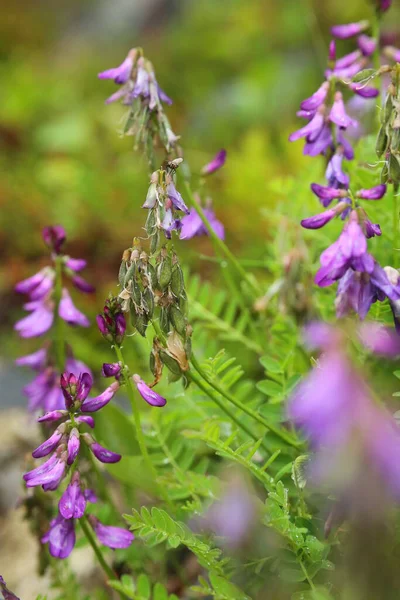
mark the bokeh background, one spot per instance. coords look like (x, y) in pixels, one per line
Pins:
(236, 70)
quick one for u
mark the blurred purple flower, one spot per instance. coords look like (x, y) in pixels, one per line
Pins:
(192, 225)
(216, 163)
(69, 313)
(349, 29)
(54, 237)
(119, 74)
(38, 322)
(7, 595)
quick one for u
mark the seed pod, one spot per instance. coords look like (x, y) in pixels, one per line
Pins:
(151, 275)
(129, 274)
(170, 363)
(164, 273)
(148, 302)
(154, 241)
(184, 304)
(385, 173)
(381, 142)
(141, 324)
(136, 292)
(133, 316)
(150, 223)
(387, 110)
(188, 347)
(394, 169)
(395, 141)
(177, 282)
(177, 319)
(164, 320)
(122, 273)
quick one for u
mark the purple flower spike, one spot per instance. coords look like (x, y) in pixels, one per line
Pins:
(82, 285)
(176, 198)
(318, 221)
(147, 393)
(54, 415)
(95, 404)
(75, 264)
(318, 98)
(7, 595)
(37, 323)
(69, 313)
(87, 419)
(60, 537)
(104, 455)
(120, 74)
(374, 193)
(111, 369)
(338, 113)
(35, 361)
(54, 237)
(73, 446)
(113, 537)
(380, 340)
(366, 44)
(72, 503)
(50, 444)
(364, 92)
(48, 478)
(217, 163)
(312, 129)
(349, 29)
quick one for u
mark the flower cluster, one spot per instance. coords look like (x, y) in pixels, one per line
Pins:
(49, 301)
(334, 408)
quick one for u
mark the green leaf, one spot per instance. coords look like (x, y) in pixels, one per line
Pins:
(143, 587)
(130, 471)
(270, 364)
(116, 430)
(270, 388)
(292, 575)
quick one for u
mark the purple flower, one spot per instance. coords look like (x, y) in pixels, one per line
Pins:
(380, 339)
(47, 475)
(60, 537)
(332, 51)
(384, 5)
(119, 74)
(347, 60)
(192, 225)
(54, 237)
(73, 446)
(147, 393)
(217, 163)
(72, 503)
(318, 145)
(366, 44)
(75, 264)
(318, 221)
(101, 453)
(86, 419)
(327, 194)
(364, 92)
(334, 172)
(349, 29)
(44, 392)
(318, 98)
(95, 404)
(111, 369)
(176, 198)
(75, 388)
(35, 361)
(392, 52)
(54, 415)
(7, 595)
(102, 325)
(113, 537)
(371, 229)
(82, 285)
(50, 444)
(38, 322)
(338, 113)
(38, 285)
(374, 193)
(69, 313)
(312, 129)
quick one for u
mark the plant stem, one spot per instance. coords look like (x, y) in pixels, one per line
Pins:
(376, 60)
(278, 432)
(396, 226)
(59, 342)
(219, 243)
(99, 554)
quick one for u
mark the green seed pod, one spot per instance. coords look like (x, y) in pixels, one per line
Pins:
(136, 292)
(150, 223)
(133, 316)
(152, 275)
(177, 319)
(141, 324)
(381, 142)
(188, 347)
(395, 141)
(164, 320)
(385, 174)
(154, 241)
(164, 273)
(170, 363)
(148, 301)
(364, 75)
(129, 274)
(184, 304)
(394, 169)
(387, 110)
(122, 273)
(177, 282)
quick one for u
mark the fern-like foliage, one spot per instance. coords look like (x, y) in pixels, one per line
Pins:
(141, 589)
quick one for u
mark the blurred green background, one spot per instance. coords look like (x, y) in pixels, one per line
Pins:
(236, 70)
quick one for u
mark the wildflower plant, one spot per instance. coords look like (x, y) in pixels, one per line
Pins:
(241, 485)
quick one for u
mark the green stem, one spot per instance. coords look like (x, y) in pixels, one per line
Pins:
(219, 243)
(396, 226)
(99, 554)
(278, 432)
(376, 61)
(59, 342)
